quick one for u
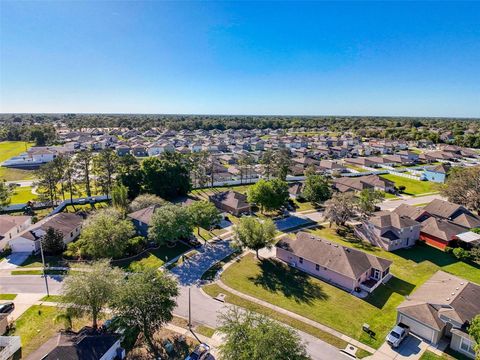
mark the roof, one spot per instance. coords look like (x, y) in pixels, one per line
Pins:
(63, 222)
(231, 198)
(295, 188)
(467, 220)
(8, 222)
(392, 220)
(413, 212)
(343, 260)
(442, 229)
(81, 347)
(441, 168)
(442, 208)
(469, 237)
(443, 295)
(144, 215)
(361, 182)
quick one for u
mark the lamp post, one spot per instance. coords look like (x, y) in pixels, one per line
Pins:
(44, 273)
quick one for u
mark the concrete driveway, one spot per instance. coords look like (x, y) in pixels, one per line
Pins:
(411, 348)
(13, 260)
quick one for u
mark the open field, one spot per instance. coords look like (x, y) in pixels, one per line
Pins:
(412, 187)
(9, 149)
(279, 284)
(22, 195)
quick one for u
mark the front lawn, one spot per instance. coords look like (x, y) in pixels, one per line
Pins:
(36, 261)
(412, 187)
(279, 284)
(8, 296)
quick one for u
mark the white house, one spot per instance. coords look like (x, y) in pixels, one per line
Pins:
(68, 224)
(10, 226)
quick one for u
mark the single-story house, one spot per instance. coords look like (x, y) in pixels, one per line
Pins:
(391, 231)
(440, 233)
(231, 201)
(442, 308)
(10, 226)
(374, 182)
(68, 224)
(446, 210)
(437, 174)
(142, 219)
(341, 266)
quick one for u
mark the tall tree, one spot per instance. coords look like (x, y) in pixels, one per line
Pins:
(5, 194)
(340, 208)
(170, 223)
(90, 291)
(69, 177)
(282, 163)
(368, 199)
(52, 241)
(146, 302)
(268, 194)
(120, 198)
(59, 165)
(254, 234)
(199, 163)
(47, 181)
(463, 187)
(266, 160)
(84, 163)
(204, 214)
(251, 336)
(130, 175)
(105, 166)
(317, 188)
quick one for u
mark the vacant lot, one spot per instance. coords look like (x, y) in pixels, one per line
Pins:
(412, 187)
(9, 149)
(278, 284)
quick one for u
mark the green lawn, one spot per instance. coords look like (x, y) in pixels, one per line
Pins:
(9, 149)
(36, 325)
(22, 195)
(8, 296)
(354, 167)
(450, 355)
(36, 261)
(205, 330)
(412, 187)
(292, 289)
(155, 258)
(38, 272)
(52, 298)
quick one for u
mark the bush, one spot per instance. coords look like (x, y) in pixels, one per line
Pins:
(461, 254)
(136, 245)
(449, 250)
(401, 188)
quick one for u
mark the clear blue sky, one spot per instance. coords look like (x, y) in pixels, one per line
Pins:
(241, 57)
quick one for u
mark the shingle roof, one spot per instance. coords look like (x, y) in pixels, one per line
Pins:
(467, 221)
(232, 199)
(442, 208)
(83, 347)
(393, 220)
(346, 261)
(144, 215)
(413, 212)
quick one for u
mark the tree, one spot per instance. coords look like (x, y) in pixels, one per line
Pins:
(5, 194)
(52, 241)
(120, 197)
(145, 200)
(254, 234)
(368, 199)
(146, 302)
(105, 167)
(130, 175)
(199, 163)
(267, 161)
(474, 332)
(170, 223)
(317, 188)
(340, 208)
(47, 183)
(463, 187)
(251, 336)
(69, 177)
(204, 214)
(84, 162)
(167, 176)
(282, 162)
(90, 291)
(268, 194)
(105, 234)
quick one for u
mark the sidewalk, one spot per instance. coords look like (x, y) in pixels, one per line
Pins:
(297, 317)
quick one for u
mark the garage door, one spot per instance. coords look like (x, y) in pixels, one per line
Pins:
(417, 328)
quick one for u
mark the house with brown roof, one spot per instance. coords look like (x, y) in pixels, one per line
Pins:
(142, 219)
(10, 226)
(68, 224)
(442, 308)
(347, 268)
(231, 201)
(374, 182)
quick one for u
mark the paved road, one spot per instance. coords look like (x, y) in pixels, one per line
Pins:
(18, 284)
(392, 204)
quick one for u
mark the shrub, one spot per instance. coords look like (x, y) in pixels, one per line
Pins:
(461, 254)
(136, 245)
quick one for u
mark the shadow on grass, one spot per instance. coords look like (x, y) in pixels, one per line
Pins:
(294, 284)
(382, 294)
(422, 252)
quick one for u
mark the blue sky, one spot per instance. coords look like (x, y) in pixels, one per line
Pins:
(310, 58)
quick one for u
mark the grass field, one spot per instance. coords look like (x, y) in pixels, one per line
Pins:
(412, 187)
(9, 149)
(36, 325)
(293, 290)
(8, 296)
(22, 195)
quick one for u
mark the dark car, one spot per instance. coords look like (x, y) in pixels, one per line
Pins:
(6, 308)
(201, 352)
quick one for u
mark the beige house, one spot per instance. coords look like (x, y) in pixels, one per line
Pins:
(10, 226)
(442, 308)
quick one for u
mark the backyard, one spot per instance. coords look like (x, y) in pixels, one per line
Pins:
(412, 187)
(22, 195)
(278, 284)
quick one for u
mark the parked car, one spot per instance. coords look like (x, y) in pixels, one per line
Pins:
(201, 352)
(397, 334)
(7, 307)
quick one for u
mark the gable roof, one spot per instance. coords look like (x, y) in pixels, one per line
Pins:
(467, 221)
(392, 220)
(443, 209)
(8, 222)
(81, 347)
(442, 229)
(231, 198)
(144, 215)
(343, 260)
(413, 212)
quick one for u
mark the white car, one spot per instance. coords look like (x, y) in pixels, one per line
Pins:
(397, 334)
(201, 352)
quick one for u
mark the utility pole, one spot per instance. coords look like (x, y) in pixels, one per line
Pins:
(189, 310)
(44, 273)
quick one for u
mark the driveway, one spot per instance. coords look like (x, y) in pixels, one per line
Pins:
(411, 348)
(14, 260)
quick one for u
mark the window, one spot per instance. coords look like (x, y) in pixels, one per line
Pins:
(300, 260)
(385, 272)
(317, 267)
(467, 346)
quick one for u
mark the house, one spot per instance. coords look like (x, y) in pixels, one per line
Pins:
(347, 268)
(441, 309)
(416, 213)
(231, 201)
(85, 346)
(437, 174)
(390, 231)
(142, 219)
(10, 226)
(446, 210)
(374, 182)
(122, 150)
(68, 224)
(440, 233)
(295, 189)
(409, 155)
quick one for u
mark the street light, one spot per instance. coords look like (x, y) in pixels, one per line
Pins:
(43, 262)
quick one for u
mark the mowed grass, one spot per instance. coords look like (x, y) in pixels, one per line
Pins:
(279, 284)
(154, 258)
(22, 195)
(412, 187)
(8, 296)
(9, 149)
(36, 325)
